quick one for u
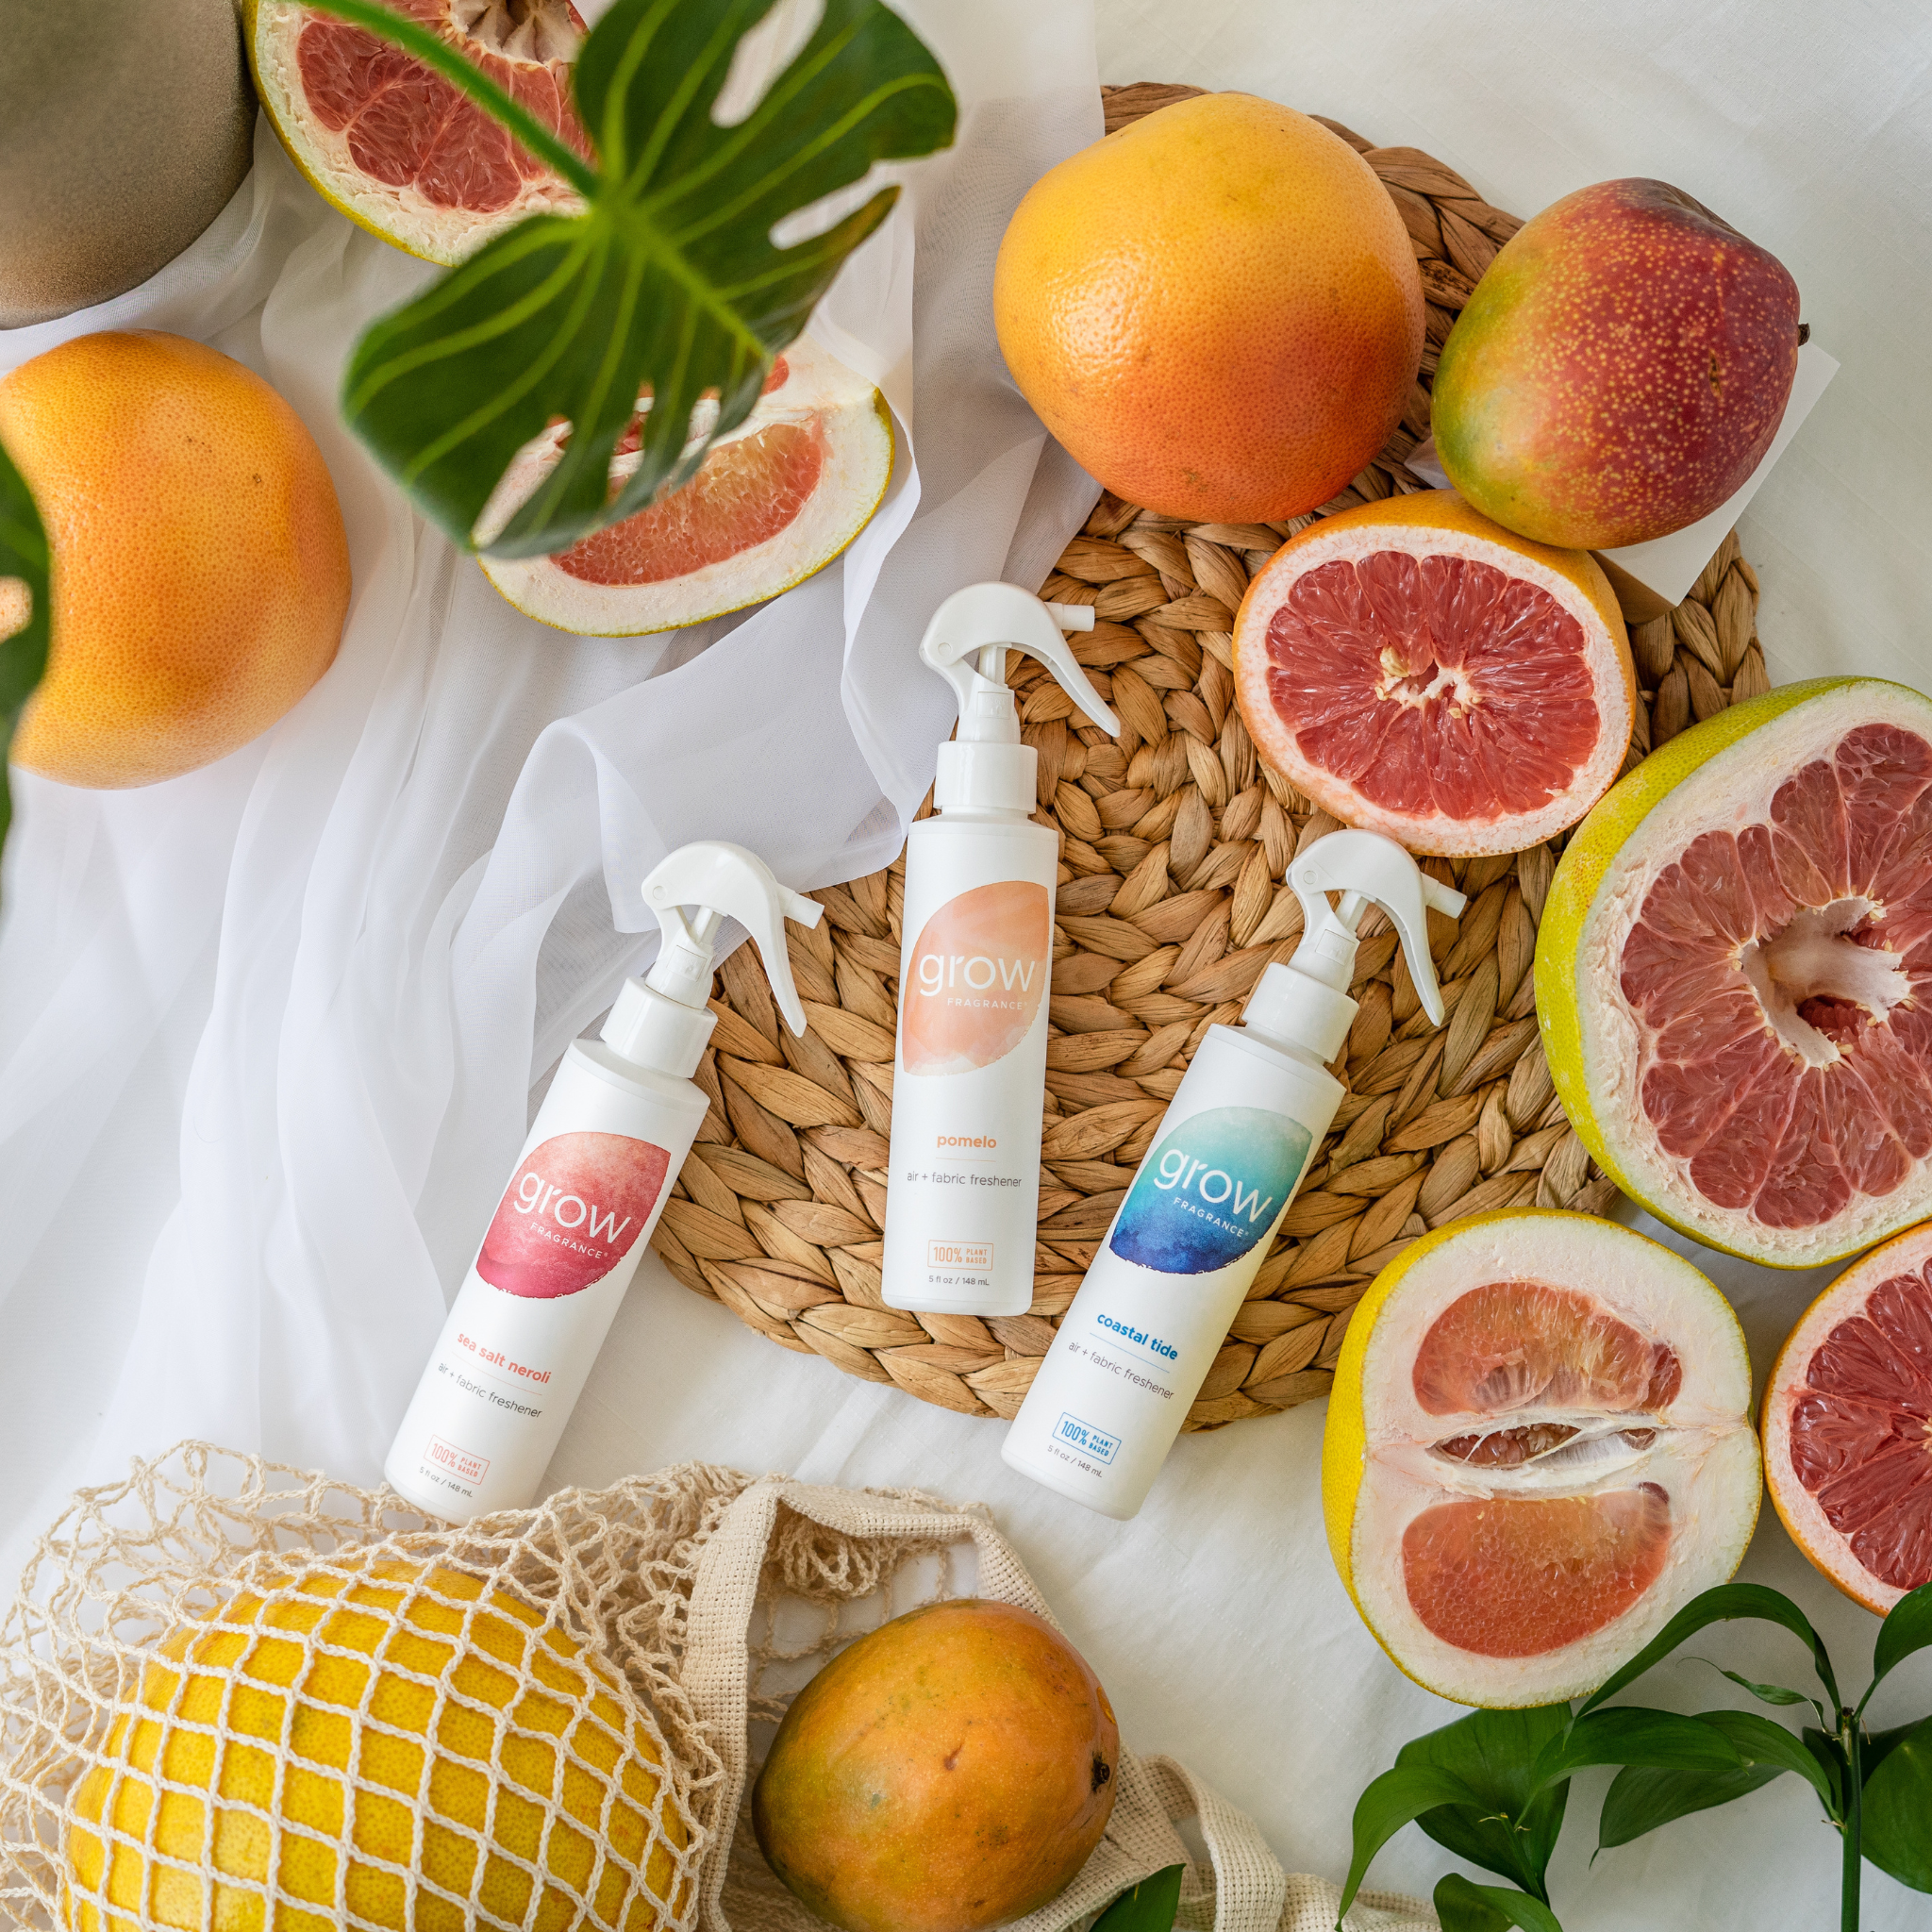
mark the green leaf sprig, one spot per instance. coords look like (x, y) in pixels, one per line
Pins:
(22, 639)
(1493, 1787)
(668, 284)
(1149, 1905)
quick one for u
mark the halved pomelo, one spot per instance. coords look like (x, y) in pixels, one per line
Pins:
(775, 501)
(1734, 975)
(394, 145)
(1848, 1425)
(1538, 1449)
(1422, 671)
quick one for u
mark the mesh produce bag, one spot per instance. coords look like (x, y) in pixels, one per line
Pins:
(547, 1717)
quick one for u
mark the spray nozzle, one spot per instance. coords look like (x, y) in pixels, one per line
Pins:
(664, 1019)
(1366, 867)
(723, 881)
(1306, 1003)
(983, 623)
(986, 768)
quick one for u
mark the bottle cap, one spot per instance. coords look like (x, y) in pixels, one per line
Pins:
(986, 768)
(1306, 1003)
(664, 1019)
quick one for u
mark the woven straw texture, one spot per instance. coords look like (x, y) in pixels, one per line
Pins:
(1174, 845)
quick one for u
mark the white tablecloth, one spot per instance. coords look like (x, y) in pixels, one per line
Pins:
(1215, 1618)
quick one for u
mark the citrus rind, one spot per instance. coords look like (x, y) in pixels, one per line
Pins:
(1379, 1472)
(1719, 774)
(851, 482)
(1806, 1514)
(403, 216)
(1439, 525)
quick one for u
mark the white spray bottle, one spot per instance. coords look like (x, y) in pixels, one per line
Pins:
(1205, 1202)
(969, 1069)
(565, 1239)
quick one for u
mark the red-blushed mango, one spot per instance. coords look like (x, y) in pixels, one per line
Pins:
(950, 1770)
(1216, 311)
(1620, 370)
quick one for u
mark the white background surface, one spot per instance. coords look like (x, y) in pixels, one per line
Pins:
(200, 984)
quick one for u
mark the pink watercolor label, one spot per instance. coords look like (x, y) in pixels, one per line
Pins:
(978, 975)
(571, 1213)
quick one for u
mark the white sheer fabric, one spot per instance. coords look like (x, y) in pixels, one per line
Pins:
(269, 1032)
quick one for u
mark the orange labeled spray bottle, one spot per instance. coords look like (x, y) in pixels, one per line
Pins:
(969, 1071)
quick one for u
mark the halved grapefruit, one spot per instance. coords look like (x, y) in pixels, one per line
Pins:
(1422, 671)
(1848, 1425)
(1734, 975)
(1538, 1449)
(395, 146)
(775, 501)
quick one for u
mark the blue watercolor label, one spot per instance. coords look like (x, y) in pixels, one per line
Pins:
(1210, 1189)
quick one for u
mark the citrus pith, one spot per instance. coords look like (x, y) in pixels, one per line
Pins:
(1847, 1422)
(394, 145)
(1423, 672)
(773, 503)
(1732, 970)
(1537, 1449)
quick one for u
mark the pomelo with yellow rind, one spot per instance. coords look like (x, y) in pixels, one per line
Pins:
(388, 1773)
(1690, 907)
(774, 502)
(1516, 1549)
(1216, 310)
(1847, 1439)
(200, 570)
(1421, 671)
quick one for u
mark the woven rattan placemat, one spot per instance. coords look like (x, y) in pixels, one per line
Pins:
(1174, 845)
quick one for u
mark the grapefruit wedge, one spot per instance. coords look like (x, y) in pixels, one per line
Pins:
(1538, 1449)
(1734, 975)
(774, 502)
(1848, 1425)
(394, 145)
(1423, 672)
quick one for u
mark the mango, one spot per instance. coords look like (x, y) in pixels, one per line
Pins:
(952, 1770)
(1620, 370)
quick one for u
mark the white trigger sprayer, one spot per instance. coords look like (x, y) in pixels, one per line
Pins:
(662, 1020)
(1304, 1004)
(986, 767)
(975, 957)
(1209, 1195)
(589, 1184)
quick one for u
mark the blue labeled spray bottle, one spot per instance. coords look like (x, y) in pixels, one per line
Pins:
(1205, 1202)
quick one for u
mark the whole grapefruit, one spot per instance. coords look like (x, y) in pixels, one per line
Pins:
(1216, 311)
(200, 570)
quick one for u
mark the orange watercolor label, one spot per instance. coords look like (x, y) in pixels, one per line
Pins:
(977, 975)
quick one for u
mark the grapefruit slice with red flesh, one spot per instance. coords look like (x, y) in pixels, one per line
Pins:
(1848, 1425)
(774, 502)
(1422, 671)
(1538, 1449)
(1734, 975)
(395, 146)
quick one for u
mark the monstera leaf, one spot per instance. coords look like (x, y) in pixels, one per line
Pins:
(668, 283)
(22, 609)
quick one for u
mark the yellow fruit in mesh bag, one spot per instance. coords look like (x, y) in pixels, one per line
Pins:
(439, 1757)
